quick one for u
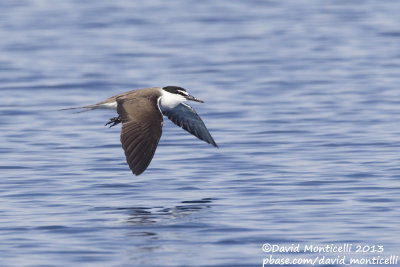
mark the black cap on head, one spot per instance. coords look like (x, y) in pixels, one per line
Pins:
(181, 91)
(174, 89)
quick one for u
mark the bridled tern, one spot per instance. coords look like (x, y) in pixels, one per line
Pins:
(141, 114)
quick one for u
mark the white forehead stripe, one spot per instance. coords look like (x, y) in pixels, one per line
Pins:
(183, 92)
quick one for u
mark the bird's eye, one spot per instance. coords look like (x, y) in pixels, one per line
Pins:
(184, 93)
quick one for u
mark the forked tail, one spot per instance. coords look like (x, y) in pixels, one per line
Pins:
(83, 109)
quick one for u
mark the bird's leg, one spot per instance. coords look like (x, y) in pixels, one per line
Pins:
(113, 121)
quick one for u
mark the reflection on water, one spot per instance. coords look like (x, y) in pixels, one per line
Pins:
(145, 216)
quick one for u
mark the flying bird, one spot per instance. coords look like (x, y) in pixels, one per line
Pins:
(141, 114)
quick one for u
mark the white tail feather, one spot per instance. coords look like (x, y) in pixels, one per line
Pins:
(112, 105)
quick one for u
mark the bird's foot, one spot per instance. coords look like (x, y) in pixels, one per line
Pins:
(113, 121)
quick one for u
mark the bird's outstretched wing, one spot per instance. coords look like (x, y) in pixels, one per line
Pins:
(186, 117)
(140, 131)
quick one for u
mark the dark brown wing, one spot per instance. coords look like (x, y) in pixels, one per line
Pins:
(141, 130)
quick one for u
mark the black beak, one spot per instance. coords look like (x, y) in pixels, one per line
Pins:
(189, 97)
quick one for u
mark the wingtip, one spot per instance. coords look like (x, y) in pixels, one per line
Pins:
(212, 142)
(136, 173)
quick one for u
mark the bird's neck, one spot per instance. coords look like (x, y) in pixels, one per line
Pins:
(169, 100)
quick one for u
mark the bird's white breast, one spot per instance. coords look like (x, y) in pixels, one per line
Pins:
(169, 100)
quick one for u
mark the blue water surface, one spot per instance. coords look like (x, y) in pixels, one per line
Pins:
(302, 97)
